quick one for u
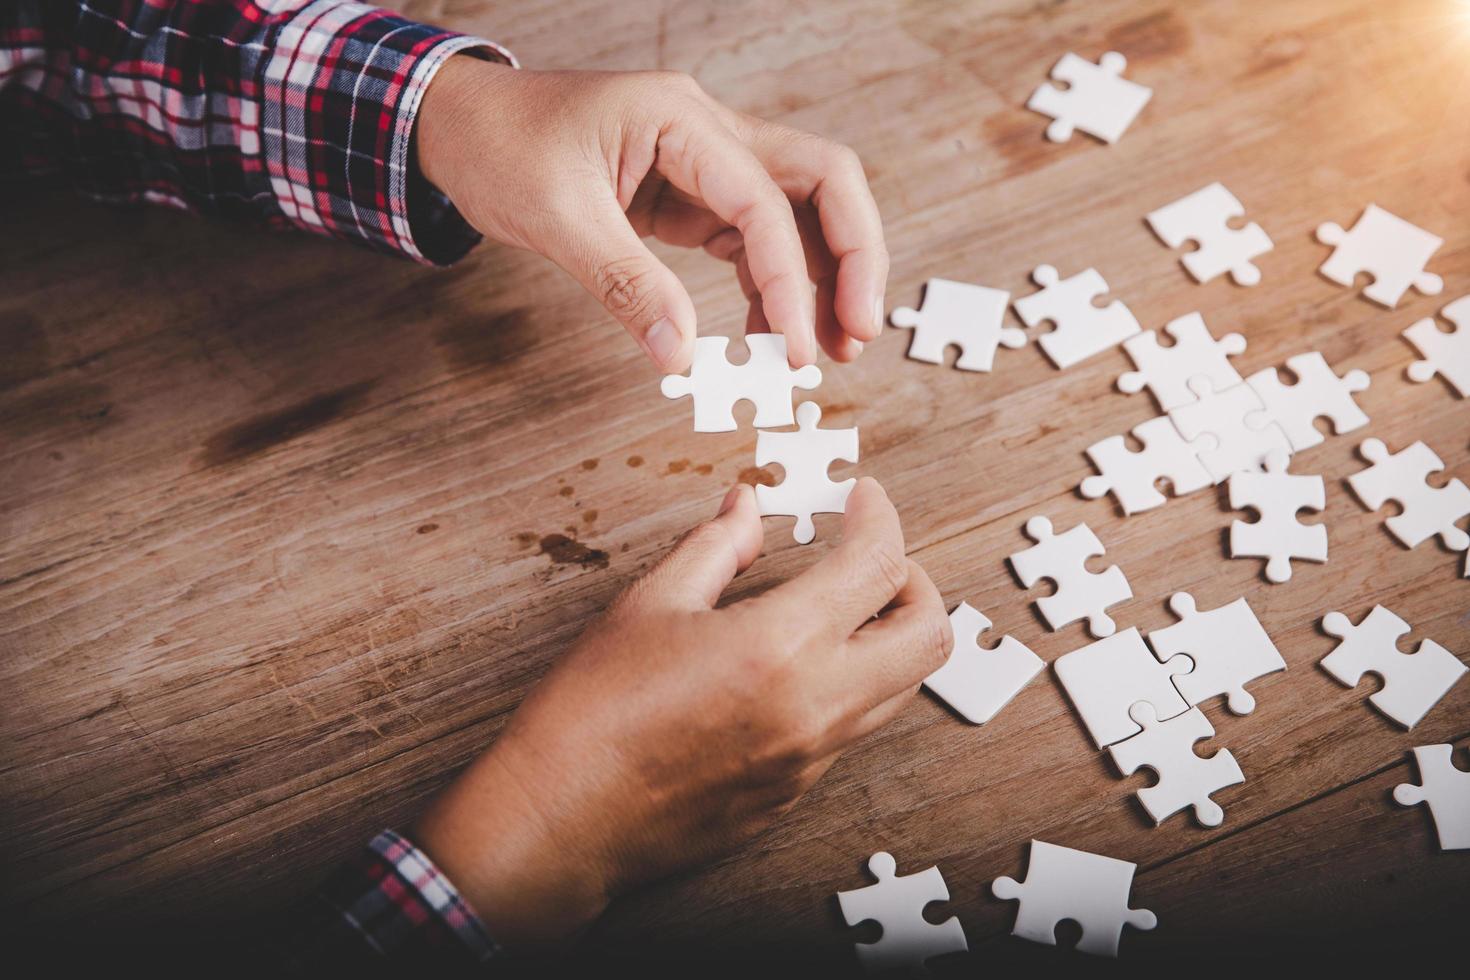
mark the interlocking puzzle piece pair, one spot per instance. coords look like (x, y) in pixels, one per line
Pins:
(1412, 682)
(1426, 510)
(1080, 593)
(1203, 217)
(961, 315)
(1446, 788)
(1446, 354)
(1089, 889)
(978, 682)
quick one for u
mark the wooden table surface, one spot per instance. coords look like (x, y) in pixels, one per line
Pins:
(287, 529)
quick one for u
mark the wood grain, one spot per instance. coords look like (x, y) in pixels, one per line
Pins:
(287, 529)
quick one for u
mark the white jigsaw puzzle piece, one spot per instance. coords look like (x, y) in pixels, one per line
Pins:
(1444, 354)
(1080, 594)
(1104, 680)
(1390, 249)
(1082, 329)
(1228, 429)
(1227, 646)
(1401, 476)
(961, 315)
(1132, 477)
(1278, 536)
(1202, 217)
(977, 682)
(1166, 370)
(765, 380)
(1412, 682)
(1097, 100)
(897, 903)
(1089, 889)
(1318, 393)
(1185, 779)
(805, 455)
(1446, 788)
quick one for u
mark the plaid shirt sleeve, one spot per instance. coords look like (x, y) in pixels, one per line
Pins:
(296, 112)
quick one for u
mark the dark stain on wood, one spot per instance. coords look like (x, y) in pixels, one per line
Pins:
(524, 539)
(565, 550)
(589, 464)
(677, 466)
(271, 429)
(589, 517)
(757, 476)
(635, 461)
(1155, 37)
(476, 341)
(567, 490)
(429, 528)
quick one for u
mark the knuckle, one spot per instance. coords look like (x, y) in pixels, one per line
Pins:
(936, 638)
(843, 161)
(626, 287)
(888, 565)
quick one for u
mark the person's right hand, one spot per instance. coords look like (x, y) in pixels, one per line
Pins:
(674, 730)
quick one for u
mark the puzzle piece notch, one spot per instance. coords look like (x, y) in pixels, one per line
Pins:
(1080, 593)
(1204, 217)
(805, 455)
(1132, 477)
(978, 682)
(897, 904)
(1184, 778)
(1402, 476)
(1227, 429)
(1081, 329)
(1089, 889)
(1441, 353)
(1105, 679)
(1446, 788)
(1318, 393)
(961, 315)
(765, 380)
(1166, 370)
(1098, 100)
(1412, 682)
(1277, 535)
(1226, 648)
(1388, 248)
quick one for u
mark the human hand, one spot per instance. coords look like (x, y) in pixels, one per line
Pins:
(672, 730)
(578, 166)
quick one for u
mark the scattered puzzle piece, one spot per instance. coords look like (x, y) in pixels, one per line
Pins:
(1401, 476)
(1080, 594)
(1318, 393)
(1103, 680)
(1185, 779)
(805, 455)
(1412, 682)
(1202, 217)
(1446, 788)
(1132, 477)
(1388, 248)
(765, 380)
(1082, 329)
(897, 903)
(1444, 354)
(1089, 889)
(1167, 370)
(1227, 646)
(1231, 424)
(977, 682)
(1278, 536)
(961, 315)
(1097, 100)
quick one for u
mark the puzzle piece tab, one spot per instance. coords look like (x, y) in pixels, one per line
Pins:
(1446, 788)
(1202, 217)
(1185, 779)
(1318, 393)
(1388, 248)
(765, 380)
(1082, 329)
(805, 455)
(1089, 889)
(1412, 682)
(1227, 646)
(1444, 354)
(1104, 680)
(977, 682)
(1426, 510)
(1132, 477)
(1167, 370)
(1228, 429)
(961, 315)
(897, 903)
(1097, 100)
(1278, 536)
(1080, 594)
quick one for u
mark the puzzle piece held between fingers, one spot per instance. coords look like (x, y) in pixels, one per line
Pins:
(977, 682)
(1104, 680)
(897, 903)
(1390, 249)
(1228, 429)
(1089, 889)
(962, 315)
(1080, 594)
(1412, 682)
(765, 380)
(805, 455)
(1318, 393)
(1185, 779)
(1446, 788)
(1401, 476)
(1227, 647)
(1203, 217)
(1132, 477)
(1098, 100)
(1082, 329)
(1167, 370)
(1278, 536)
(1444, 354)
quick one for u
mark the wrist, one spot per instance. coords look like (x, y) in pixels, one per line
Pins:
(455, 97)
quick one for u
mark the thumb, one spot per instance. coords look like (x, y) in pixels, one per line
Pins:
(603, 252)
(695, 573)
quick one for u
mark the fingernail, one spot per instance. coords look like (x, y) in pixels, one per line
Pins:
(731, 495)
(662, 340)
(878, 314)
